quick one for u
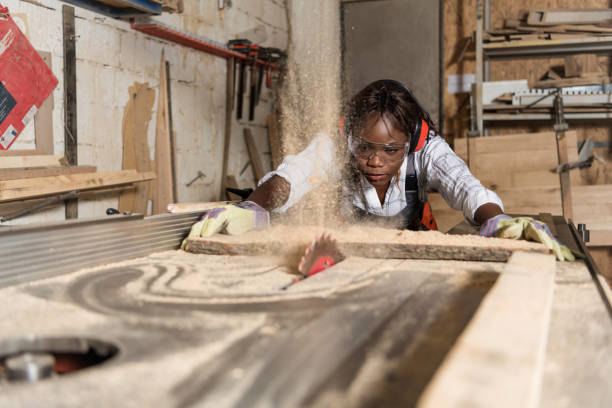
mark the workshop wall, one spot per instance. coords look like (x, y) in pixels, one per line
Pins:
(111, 57)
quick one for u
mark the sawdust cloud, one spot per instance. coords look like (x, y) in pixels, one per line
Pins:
(310, 99)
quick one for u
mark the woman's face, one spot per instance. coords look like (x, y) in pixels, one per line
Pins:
(377, 163)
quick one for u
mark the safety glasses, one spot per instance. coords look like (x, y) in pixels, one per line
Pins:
(362, 149)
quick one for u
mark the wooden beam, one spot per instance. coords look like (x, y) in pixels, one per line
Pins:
(256, 165)
(20, 162)
(164, 191)
(11, 190)
(498, 359)
(229, 106)
(136, 154)
(43, 120)
(14, 174)
(70, 98)
(274, 140)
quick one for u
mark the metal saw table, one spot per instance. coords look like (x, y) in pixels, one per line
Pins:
(200, 330)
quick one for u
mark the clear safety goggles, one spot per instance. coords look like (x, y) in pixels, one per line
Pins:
(362, 149)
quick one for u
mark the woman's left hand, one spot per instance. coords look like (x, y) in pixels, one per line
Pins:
(504, 226)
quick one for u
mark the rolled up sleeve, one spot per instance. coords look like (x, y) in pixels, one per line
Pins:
(305, 170)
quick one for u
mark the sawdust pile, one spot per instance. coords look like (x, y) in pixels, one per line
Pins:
(310, 100)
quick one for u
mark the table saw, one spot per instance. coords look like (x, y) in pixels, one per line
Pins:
(126, 319)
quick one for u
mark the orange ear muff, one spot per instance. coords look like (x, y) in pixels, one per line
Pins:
(419, 137)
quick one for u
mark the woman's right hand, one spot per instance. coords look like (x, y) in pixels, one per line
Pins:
(230, 219)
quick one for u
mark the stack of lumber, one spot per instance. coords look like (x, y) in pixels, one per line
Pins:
(24, 180)
(519, 168)
(553, 24)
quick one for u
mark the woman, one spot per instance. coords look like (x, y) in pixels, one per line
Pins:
(395, 157)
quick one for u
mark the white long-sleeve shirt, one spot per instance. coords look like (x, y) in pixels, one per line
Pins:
(438, 169)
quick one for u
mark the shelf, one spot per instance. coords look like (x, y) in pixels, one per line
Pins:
(511, 117)
(547, 48)
(120, 8)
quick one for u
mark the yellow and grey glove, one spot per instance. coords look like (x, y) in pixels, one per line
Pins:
(504, 226)
(230, 219)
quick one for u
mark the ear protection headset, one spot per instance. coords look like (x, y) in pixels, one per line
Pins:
(419, 136)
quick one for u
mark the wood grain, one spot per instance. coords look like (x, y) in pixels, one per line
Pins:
(365, 242)
(498, 360)
(41, 186)
(164, 194)
(14, 174)
(20, 162)
(136, 154)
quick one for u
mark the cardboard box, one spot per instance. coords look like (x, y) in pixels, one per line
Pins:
(25, 80)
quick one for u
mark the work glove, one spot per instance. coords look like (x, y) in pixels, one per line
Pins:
(504, 226)
(231, 219)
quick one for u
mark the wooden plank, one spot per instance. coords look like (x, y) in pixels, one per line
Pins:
(276, 151)
(136, 154)
(531, 200)
(446, 217)
(44, 172)
(172, 133)
(539, 17)
(175, 208)
(11, 207)
(229, 106)
(43, 120)
(365, 242)
(163, 162)
(19, 162)
(41, 186)
(600, 237)
(513, 142)
(498, 360)
(70, 98)
(256, 165)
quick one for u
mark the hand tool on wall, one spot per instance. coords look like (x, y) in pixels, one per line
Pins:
(322, 253)
(199, 176)
(253, 78)
(242, 46)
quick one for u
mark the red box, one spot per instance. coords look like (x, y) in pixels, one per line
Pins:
(25, 80)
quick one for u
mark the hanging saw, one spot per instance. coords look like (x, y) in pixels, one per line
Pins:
(320, 254)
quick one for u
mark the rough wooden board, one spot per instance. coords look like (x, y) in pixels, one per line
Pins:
(136, 154)
(498, 360)
(365, 242)
(578, 366)
(43, 120)
(175, 208)
(229, 105)
(256, 165)
(276, 152)
(20, 162)
(600, 237)
(12, 207)
(163, 161)
(14, 174)
(40, 186)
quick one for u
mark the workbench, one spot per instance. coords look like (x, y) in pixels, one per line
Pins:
(187, 329)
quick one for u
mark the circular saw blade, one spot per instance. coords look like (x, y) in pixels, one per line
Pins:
(321, 254)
